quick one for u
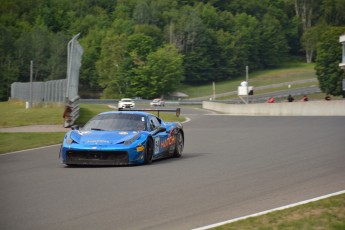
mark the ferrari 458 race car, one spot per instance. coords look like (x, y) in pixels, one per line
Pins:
(122, 138)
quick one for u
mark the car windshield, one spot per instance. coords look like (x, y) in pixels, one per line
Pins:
(126, 100)
(120, 121)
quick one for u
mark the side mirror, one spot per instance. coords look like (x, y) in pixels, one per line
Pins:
(162, 129)
(159, 130)
(75, 127)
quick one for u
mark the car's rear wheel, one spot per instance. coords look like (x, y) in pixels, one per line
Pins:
(148, 151)
(179, 143)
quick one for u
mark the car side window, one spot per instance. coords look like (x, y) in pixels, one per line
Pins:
(154, 123)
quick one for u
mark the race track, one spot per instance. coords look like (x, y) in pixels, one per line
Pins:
(232, 166)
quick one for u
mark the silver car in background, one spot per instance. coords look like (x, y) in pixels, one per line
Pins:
(157, 102)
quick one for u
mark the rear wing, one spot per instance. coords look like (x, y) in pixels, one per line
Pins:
(177, 110)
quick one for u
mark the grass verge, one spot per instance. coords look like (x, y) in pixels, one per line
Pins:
(14, 113)
(11, 142)
(287, 73)
(328, 213)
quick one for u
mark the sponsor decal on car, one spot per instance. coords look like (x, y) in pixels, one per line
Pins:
(168, 142)
(157, 141)
(98, 141)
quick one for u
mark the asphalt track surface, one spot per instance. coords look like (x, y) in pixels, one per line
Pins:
(232, 166)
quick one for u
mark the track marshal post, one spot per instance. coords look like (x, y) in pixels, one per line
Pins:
(244, 89)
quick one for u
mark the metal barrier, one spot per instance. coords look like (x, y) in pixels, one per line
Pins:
(71, 112)
(311, 108)
(74, 54)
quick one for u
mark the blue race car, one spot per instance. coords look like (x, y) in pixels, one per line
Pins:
(123, 138)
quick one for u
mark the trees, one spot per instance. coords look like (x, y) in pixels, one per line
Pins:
(160, 75)
(306, 12)
(310, 39)
(273, 48)
(110, 65)
(329, 51)
(315, 13)
(89, 77)
(332, 12)
(214, 39)
(131, 66)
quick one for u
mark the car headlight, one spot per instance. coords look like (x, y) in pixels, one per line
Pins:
(132, 139)
(69, 140)
(72, 137)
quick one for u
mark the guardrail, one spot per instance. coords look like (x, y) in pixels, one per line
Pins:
(71, 112)
(311, 108)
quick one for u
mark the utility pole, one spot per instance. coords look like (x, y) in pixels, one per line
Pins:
(247, 80)
(214, 90)
(31, 73)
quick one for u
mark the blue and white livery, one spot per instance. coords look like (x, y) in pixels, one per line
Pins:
(122, 138)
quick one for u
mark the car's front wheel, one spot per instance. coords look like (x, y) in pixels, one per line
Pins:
(179, 143)
(148, 151)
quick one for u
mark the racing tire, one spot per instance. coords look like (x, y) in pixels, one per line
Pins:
(179, 143)
(148, 151)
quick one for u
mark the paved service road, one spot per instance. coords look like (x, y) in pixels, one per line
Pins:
(232, 166)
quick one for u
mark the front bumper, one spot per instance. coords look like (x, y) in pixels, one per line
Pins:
(127, 106)
(96, 157)
(89, 157)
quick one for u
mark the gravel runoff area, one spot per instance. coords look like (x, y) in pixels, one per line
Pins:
(35, 128)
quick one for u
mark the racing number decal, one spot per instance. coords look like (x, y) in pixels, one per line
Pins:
(157, 142)
(169, 141)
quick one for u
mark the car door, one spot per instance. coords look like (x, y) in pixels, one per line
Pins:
(159, 138)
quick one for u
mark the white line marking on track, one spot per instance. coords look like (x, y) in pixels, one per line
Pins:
(271, 210)
(25, 150)
(187, 120)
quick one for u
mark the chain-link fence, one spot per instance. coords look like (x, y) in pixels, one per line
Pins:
(50, 91)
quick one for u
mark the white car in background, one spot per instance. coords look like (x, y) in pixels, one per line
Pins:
(157, 102)
(126, 103)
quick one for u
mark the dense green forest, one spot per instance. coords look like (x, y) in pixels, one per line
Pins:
(147, 48)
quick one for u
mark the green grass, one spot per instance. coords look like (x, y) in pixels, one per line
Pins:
(14, 114)
(11, 142)
(328, 213)
(289, 72)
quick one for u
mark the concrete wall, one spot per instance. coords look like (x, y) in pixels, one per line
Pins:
(311, 108)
